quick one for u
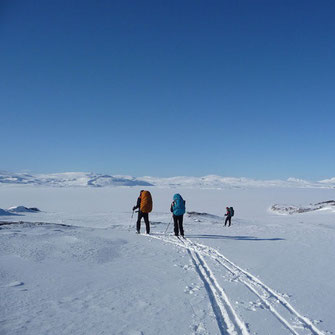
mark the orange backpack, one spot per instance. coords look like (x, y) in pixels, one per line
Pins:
(146, 202)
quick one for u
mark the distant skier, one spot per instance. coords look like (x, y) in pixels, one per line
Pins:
(229, 214)
(178, 210)
(144, 205)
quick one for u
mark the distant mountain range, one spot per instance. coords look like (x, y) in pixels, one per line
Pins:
(70, 179)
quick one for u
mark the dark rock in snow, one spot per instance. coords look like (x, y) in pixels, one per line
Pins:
(23, 209)
(290, 209)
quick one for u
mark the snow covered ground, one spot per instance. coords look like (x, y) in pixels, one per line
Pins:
(77, 267)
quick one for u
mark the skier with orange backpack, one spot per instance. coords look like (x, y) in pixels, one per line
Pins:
(144, 205)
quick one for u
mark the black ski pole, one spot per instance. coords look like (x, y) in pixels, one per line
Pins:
(168, 226)
(130, 226)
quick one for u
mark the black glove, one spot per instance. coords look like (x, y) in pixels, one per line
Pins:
(134, 208)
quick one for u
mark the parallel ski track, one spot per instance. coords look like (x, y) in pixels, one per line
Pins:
(256, 286)
(227, 319)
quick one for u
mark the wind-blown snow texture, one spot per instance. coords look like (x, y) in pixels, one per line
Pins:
(79, 268)
(100, 180)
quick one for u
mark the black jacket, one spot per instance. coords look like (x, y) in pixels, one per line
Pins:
(138, 205)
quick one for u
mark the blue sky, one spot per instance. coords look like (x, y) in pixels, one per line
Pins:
(165, 88)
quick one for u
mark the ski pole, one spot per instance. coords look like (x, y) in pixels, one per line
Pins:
(168, 226)
(130, 226)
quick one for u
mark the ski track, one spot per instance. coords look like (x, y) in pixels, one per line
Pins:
(227, 319)
(226, 315)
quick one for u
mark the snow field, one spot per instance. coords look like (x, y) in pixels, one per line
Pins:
(85, 271)
(87, 285)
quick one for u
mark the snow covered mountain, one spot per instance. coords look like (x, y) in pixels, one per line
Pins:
(70, 179)
(101, 180)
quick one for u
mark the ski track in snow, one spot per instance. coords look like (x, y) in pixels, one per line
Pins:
(226, 316)
(227, 319)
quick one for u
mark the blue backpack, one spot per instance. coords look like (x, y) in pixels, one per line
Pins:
(179, 205)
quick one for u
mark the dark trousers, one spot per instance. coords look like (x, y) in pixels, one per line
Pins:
(145, 216)
(228, 219)
(178, 225)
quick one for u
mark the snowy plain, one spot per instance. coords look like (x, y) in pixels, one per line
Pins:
(77, 267)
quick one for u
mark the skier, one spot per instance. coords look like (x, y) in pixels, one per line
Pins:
(229, 214)
(144, 205)
(178, 210)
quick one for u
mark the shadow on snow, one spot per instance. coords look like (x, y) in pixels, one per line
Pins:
(239, 238)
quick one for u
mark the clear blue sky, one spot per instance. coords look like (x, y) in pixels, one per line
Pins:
(164, 88)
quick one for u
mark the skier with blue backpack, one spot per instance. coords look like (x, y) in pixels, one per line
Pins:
(229, 214)
(178, 210)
